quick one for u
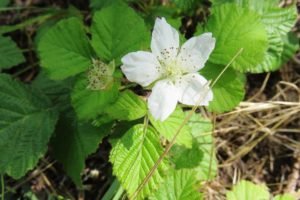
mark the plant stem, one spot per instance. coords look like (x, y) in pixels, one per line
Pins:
(2, 187)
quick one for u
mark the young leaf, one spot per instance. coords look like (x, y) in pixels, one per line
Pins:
(169, 127)
(10, 54)
(237, 28)
(246, 190)
(133, 156)
(90, 103)
(128, 106)
(117, 30)
(74, 141)
(65, 50)
(179, 185)
(229, 89)
(26, 124)
(285, 197)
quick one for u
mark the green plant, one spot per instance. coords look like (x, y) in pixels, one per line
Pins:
(81, 95)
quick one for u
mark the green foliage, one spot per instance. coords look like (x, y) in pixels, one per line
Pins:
(237, 28)
(229, 89)
(201, 130)
(197, 158)
(290, 46)
(179, 185)
(87, 103)
(184, 157)
(133, 156)
(10, 54)
(82, 140)
(114, 32)
(81, 80)
(185, 4)
(284, 197)
(3, 3)
(99, 4)
(65, 50)
(27, 121)
(128, 106)
(271, 60)
(169, 127)
(246, 190)
(56, 90)
(277, 22)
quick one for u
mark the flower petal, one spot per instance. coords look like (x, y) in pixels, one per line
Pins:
(141, 67)
(165, 40)
(194, 90)
(195, 52)
(163, 99)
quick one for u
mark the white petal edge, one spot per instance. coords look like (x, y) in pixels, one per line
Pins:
(194, 90)
(163, 99)
(141, 67)
(195, 52)
(165, 40)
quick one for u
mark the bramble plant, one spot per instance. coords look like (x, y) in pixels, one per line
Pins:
(138, 82)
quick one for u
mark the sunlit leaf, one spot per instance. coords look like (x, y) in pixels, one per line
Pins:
(133, 156)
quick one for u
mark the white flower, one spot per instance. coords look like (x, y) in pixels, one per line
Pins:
(174, 70)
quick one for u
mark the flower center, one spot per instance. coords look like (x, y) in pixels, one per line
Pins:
(172, 69)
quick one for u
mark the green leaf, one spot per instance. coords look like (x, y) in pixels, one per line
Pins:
(237, 28)
(10, 54)
(26, 124)
(128, 106)
(74, 141)
(285, 197)
(278, 22)
(290, 47)
(99, 4)
(169, 127)
(64, 49)
(246, 190)
(199, 156)
(280, 19)
(179, 185)
(229, 89)
(185, 4)
(184, 157)
(59, 91)
(90, 103)
(133, 156)
(271, 60)
(116, 31)
(3, 3)
(202, 132)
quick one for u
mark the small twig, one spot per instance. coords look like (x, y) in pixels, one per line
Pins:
(262, 88)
